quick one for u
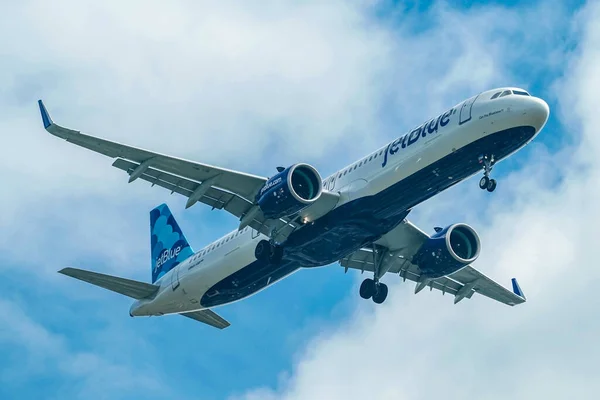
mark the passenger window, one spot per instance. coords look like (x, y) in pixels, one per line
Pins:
(354, 167)
(370, 158)
(375, 156)
(505, 93)
(495, 95)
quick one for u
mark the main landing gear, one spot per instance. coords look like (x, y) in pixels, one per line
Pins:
(485, 182)
(371, 288)
(268, 252)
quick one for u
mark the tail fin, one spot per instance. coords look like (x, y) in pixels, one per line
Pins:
(168, 244)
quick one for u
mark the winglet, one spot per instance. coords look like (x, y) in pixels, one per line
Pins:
(516, 288)
(45, 116)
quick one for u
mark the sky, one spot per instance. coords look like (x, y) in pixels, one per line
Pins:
(254, 85)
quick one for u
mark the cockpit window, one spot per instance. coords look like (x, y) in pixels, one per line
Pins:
(495, 95)
(505, 93)
(519, 92)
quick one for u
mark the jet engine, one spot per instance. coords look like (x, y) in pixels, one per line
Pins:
(290, 191)
(447, 251)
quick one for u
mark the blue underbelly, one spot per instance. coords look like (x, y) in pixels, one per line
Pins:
(361, 221)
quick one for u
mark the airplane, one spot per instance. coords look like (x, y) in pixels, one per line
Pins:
(356, 217)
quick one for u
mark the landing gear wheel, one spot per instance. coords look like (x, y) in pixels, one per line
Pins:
(275, 254)
(262, 250)
(367, 288)
(488, 163)
(484, 182)
(381, 293)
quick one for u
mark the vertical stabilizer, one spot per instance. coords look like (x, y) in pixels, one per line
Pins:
(168, 244)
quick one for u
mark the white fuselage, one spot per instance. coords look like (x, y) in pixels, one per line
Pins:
(182, 288)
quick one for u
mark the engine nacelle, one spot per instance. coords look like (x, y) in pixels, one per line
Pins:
(291, 190)
(448, 251)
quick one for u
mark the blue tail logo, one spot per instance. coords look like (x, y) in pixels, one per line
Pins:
(168, 243)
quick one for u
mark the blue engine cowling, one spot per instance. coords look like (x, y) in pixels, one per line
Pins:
(291, 190)
(447, 251)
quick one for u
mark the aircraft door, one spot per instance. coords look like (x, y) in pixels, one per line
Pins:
(465, 110)
(255, 233)
(175, 278)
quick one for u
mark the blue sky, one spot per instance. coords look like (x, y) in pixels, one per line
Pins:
(252, 86)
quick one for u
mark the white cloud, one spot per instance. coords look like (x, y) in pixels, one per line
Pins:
(42, 352)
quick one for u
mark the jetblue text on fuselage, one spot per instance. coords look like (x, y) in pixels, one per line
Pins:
(406, 140)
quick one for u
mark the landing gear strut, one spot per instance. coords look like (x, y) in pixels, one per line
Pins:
(372, 288)
(485, 182)
(268, 252)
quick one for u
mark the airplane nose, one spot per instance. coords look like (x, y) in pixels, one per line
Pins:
(539, 112)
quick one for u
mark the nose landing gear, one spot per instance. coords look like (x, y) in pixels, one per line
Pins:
(485, 182)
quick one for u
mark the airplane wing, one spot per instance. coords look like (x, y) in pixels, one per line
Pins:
(217, 187)
(208, 317)
(399, 247)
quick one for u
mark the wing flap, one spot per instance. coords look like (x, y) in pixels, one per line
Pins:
(487, 287)
(468, 278)
(214, 197)
(208, 317)
(363, 260)
(127, 287)
(222, 199)
(217, 187)
(401, 244)
(245, 185)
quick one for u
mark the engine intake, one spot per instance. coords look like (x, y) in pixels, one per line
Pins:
(448, 251)
(290, 191)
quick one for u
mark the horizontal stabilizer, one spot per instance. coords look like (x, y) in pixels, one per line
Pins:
(127, 287)
(208, 317)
